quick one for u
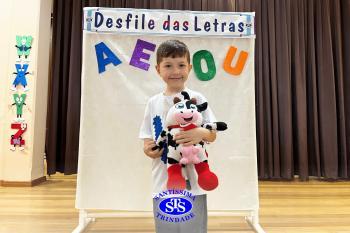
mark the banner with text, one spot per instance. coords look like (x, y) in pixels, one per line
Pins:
(184, 23)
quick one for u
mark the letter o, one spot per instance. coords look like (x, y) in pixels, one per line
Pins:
(209, 59)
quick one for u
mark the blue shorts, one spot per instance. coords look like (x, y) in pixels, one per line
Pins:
(196, 224)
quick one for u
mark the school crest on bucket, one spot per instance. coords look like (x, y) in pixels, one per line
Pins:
(175, 206)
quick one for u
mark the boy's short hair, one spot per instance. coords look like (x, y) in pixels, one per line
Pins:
(172, 48)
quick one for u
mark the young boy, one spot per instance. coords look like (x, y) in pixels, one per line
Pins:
(173, 66)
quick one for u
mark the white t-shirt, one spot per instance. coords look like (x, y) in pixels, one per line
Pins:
(157, 108)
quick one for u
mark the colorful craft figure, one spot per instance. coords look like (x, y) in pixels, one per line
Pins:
(16, 139)
(19, 102)
(186, 115)
(20, 77)
(24, 44)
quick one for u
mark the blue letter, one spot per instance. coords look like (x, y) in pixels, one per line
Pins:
(101, 50)
(241, 27)
(96, 19)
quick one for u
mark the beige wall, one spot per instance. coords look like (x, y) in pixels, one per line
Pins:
(24, 17)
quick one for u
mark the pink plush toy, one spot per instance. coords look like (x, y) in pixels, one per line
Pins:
(186, 115)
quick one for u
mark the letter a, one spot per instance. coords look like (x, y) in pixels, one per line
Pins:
(242, 59)
(104, 57)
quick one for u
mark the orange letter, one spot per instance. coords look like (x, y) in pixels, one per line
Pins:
(242, 59)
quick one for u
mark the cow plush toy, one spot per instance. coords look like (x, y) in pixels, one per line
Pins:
(186, 115)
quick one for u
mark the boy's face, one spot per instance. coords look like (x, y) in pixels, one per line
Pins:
(174, 71)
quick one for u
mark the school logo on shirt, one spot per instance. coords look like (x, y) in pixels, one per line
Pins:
(175, 206)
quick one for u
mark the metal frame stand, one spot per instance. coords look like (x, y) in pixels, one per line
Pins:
(251, 217)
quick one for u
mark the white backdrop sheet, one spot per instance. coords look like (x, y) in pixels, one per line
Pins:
(113, 172)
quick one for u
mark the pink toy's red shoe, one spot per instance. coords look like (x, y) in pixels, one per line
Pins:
(207, 180)
(175, 178)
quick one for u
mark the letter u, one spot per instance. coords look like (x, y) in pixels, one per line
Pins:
(242, 59)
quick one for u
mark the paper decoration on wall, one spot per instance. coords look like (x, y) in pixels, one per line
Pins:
(105, 56)
(139, 54)
(19, 101)
(16, 139)
(242, 59)
(20, 77)
(197, 67)
(23, 45)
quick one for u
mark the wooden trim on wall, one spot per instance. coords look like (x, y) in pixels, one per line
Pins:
(32, 183)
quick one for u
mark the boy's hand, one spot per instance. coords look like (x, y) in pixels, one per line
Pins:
(148, 144)
(191, 137)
